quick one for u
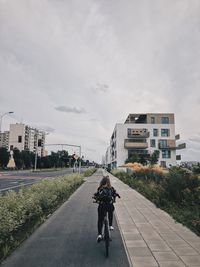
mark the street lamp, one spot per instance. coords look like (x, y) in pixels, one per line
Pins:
(10, 112)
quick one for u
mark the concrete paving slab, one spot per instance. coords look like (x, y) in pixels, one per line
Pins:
(169, 243)
(185, 251)
(172, 264)
(134, 251)
(191, 260)
(135, 243)
(165, 256)
(144, 261)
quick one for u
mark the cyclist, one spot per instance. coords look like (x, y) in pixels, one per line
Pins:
(105, 196)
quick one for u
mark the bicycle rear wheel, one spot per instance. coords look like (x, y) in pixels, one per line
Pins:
(106, 237)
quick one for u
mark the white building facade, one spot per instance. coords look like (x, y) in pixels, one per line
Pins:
(143, 134)
(24, 137)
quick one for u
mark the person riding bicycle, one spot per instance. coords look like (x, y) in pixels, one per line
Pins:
(105, 196)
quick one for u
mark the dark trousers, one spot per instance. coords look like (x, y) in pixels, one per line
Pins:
(102, 209)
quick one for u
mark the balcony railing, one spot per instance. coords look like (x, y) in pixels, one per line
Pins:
(129, 144)
(170, 144)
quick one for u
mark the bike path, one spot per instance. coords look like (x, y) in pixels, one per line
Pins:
(68, 237)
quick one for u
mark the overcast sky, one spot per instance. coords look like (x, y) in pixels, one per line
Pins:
(75, 68)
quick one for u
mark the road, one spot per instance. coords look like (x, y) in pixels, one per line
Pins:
(16, 179)
(68, 237)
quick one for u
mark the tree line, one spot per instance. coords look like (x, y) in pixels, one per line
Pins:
(144, 159)
(25, 159)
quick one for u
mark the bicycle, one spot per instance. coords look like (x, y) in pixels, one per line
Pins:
(106, 231)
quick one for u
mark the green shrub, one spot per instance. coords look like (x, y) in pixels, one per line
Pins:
(89, 172)
(30, 206)
(180, 183)
(178, 192)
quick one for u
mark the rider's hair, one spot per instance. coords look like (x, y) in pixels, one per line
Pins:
(105, 181)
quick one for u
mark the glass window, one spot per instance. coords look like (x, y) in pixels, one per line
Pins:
(19, 139)
(164, 132)
(166, 154)
(163, 143)
(164, 120)
(152, 120)
(152, 142)
(155, 132)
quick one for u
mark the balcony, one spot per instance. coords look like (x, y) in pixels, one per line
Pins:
(137, 133)
(167, 144)
(128, 143)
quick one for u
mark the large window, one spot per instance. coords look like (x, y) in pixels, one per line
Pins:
(155, 132)
(164, 120)
(163, 143)
(165, 132)
(152, 142)
(166, 154)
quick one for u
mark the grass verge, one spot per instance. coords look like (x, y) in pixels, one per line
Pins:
(183, 204)
(21, 213)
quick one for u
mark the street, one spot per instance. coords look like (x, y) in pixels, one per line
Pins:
(14, 180)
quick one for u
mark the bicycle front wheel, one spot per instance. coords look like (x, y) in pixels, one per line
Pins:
(106, 238)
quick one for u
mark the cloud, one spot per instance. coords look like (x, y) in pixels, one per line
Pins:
(103, 58)
(100, 87)
(76, 110)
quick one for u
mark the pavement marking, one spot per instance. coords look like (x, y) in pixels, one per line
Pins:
(16, 186)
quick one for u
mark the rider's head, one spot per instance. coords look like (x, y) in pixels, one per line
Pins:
(105, 182)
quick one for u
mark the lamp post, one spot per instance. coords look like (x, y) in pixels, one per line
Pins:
(10, 112)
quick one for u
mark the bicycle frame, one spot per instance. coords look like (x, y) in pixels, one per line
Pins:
(107, 236)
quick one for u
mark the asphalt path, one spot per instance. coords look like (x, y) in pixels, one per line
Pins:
(68, 237)
(14, 180)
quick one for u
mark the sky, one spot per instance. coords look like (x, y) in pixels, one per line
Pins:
(75, 68)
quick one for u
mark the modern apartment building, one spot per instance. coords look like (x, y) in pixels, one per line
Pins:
(25, 137)
(143, 134)
(4, 139)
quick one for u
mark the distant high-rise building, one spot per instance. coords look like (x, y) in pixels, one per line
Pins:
(25, 137)
(142, 134)
(4, 139)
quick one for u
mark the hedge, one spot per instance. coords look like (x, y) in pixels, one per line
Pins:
(22, 212)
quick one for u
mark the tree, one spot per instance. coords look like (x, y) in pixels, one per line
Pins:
(27, 159)
(18, 158)
(153, 159)
(4, 157)
(134, 158)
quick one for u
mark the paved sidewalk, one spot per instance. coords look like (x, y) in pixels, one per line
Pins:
(151, 237)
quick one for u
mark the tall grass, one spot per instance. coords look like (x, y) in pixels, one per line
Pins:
(21, 213)
(177, 192)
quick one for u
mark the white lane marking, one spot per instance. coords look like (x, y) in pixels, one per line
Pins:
(12, 187)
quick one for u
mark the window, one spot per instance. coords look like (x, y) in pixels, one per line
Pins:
(152, 142)
(19, 139)
(163, 143)
(155, 132)
(152, 120)
(39, 142)
(166, 154)
(164, 132)
(164, 120)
